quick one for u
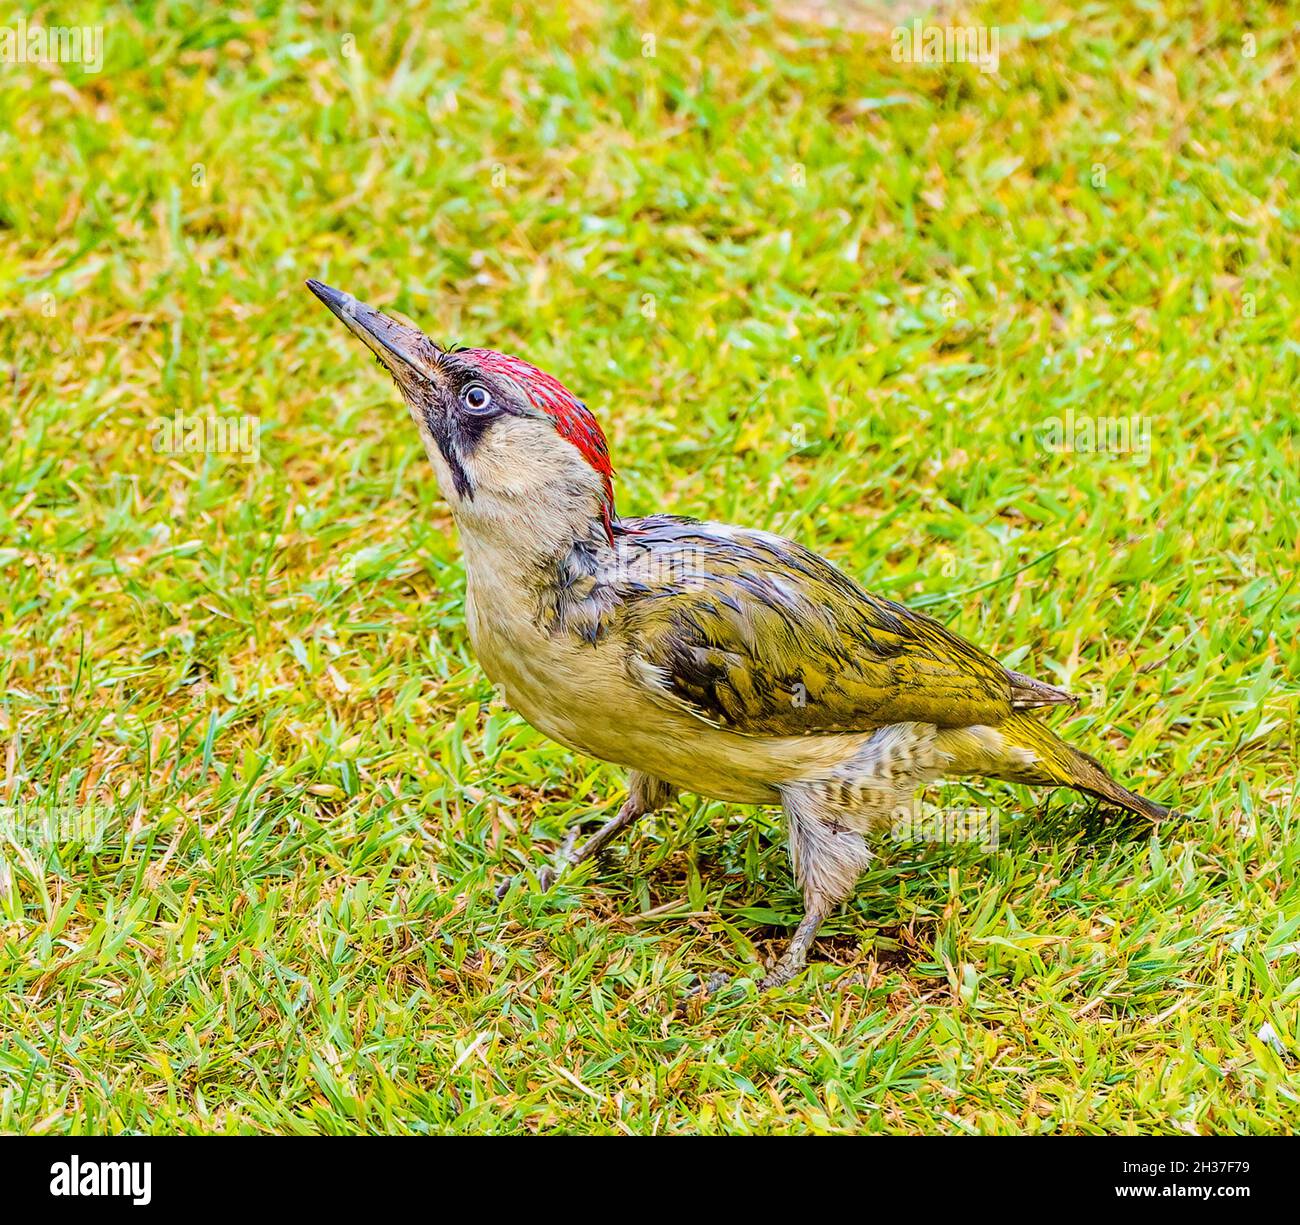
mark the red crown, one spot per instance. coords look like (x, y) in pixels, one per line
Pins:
(573, 419)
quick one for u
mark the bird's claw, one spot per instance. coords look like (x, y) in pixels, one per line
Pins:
(716, 983)
(778, 976)
(709, 987)
(549, 873)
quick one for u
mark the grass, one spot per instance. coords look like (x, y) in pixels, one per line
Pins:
(805, 287)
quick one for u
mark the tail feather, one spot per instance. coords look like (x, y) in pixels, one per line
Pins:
(1044, 758)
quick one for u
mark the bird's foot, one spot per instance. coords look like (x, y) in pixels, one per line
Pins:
(709, 987)
(780, 974)
(549, 873)
(716, 982)
(719, 984)
(633, 807)
(796, 953)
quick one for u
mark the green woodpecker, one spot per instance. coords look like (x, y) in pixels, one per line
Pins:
(724, 661)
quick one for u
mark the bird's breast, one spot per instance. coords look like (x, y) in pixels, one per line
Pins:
(580, 694)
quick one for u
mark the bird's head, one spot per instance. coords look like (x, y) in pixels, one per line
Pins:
(513, 450)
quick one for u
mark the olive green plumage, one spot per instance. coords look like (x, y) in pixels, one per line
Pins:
(753, 633)
(1062, 765)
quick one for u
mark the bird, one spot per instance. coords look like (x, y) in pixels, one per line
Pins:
(723, 661)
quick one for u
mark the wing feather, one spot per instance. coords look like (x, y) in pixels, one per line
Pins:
(750, 632)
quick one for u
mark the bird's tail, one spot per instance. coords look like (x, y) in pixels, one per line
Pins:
(1024, 750)
(1064, 765)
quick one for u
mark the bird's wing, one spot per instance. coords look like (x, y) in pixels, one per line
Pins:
(754, 633)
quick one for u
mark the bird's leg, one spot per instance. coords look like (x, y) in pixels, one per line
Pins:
(793, 960)
(796, 953)
(826, 820)
(645, 795)
(828, 856)
(633, 809)
(568, 858)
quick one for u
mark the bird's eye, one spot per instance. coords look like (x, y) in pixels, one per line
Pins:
(476, 398)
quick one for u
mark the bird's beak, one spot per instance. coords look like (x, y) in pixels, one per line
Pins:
(402, 349)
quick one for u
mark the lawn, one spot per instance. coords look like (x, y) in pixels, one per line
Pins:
(1018, 347)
